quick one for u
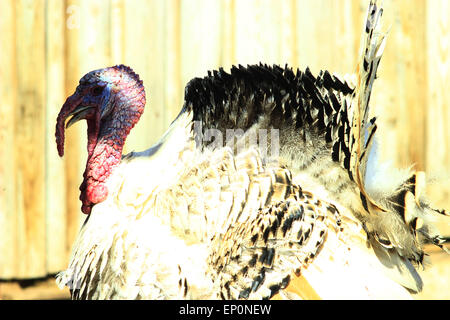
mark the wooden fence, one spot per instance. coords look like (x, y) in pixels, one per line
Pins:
(47, 45)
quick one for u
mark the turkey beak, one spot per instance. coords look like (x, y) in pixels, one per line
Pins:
(72, 103)
(78, 114)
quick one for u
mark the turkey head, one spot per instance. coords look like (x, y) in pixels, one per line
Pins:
(111, 100)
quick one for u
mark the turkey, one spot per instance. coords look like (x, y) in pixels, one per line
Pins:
(264, 186)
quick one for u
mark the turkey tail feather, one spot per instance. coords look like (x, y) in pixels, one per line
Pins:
(360, 140)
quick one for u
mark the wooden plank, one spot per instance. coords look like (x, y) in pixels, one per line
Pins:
(313, 42)
(326, 32)
(144, 44)
(8, 91)
(345, 27)
(30, 137)
(200, 40)
(413, 80)
(438, 104)
(172, 69)
(400, 94)
(288, 52)
(438, 99)
(257, 31)
(95, 30)
(56, 253)
(117, 31)
(228, 34)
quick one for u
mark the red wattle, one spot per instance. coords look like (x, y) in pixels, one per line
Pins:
(103, 159)
(97, 193)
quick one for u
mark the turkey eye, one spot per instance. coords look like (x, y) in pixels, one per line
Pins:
(97, 90)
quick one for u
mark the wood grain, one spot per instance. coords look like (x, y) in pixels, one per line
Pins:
(144, 31)
(75, 143)
(55, 178)
(9, 259)
(30, 138)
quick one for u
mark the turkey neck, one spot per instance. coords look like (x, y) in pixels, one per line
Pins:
(105, 150)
